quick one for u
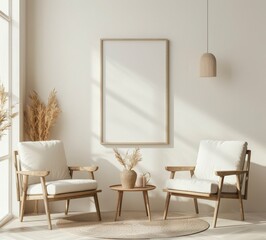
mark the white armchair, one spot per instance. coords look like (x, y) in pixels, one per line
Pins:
(221, 171)
(42, 174)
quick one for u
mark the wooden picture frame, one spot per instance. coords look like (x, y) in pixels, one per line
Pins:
(134, 92)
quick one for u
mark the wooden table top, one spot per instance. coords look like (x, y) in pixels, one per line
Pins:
(118, 187)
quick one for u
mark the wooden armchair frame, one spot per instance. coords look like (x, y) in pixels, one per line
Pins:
(22, 186)
(242, 178)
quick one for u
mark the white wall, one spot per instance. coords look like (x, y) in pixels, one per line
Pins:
(63, 44)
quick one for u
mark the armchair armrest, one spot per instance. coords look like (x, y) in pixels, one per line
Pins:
(228, 173)
(34, 173)
(87, 169)
(174, 169)
(179, 168)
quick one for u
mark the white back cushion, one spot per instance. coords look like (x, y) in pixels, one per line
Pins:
(220, 156)
(44, 155)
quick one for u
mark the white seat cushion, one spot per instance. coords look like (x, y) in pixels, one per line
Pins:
(44, 155)
(64, 186)
(198, 185)
(219, 156)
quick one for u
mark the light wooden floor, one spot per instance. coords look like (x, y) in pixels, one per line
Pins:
(229, 227)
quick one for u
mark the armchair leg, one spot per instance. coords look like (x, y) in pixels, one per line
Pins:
(24, 195)
(167, 202)
(241, 209)
(19, 209)
(36, 206)
(97, 206)
(45, 200)
(196, 205)
(216, 213)
(240, 198)
(22, 209)
(218, 202)
(67, 206)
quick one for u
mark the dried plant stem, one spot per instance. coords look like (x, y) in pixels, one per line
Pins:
(135, 158)
(39, 118)
(119, 158)
(129, 161)
(5, 114)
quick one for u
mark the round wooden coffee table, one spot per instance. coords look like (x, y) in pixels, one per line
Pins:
(121, 191)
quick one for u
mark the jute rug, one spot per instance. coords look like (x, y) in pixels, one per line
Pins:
(131, 226)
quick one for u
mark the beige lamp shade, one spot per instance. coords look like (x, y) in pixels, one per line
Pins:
(208, 65)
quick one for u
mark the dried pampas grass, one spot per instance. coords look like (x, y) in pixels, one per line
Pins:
(5, 115)
(40, 118)
(130, 160)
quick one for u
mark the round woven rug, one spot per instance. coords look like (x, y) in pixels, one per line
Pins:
(136, 227)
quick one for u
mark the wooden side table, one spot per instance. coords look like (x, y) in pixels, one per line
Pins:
(121, 191)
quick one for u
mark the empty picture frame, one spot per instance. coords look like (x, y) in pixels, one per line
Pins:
(134, 91)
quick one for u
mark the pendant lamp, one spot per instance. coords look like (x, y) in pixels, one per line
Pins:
(208, 60)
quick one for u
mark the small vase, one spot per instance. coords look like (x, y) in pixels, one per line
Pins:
(128, 178)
